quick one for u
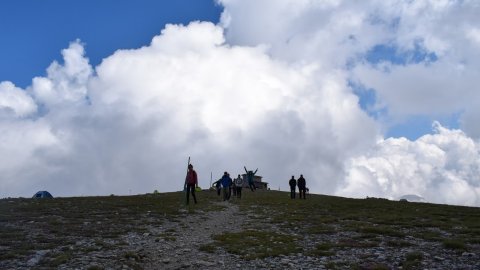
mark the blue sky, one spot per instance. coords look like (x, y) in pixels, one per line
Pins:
(363, 98)
(34, 32)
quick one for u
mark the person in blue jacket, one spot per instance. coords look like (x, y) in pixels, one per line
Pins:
(226, 183)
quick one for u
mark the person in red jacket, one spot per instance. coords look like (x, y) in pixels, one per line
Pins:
(191, 182)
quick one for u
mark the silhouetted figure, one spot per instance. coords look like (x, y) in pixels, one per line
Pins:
(302, 186)
(239, 185)
(293, 184)
(191, 182)
(234, 188)
(226, 183)
(218, 186)
(250, 175)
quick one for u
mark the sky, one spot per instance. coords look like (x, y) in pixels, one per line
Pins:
(371, 98)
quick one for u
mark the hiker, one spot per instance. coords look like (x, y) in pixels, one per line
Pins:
(293, 184)
(218, 186)
(302, 186)
(250, 175)
(226, 183)
(239, 185)
(230, 188)
(234, 188)
(191, 182)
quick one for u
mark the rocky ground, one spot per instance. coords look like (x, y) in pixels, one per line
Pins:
(189, 241)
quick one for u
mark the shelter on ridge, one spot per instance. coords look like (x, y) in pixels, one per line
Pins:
(257, 180)
(412, 198)
(42, 194)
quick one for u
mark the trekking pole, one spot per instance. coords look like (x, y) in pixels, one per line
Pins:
(210, 180)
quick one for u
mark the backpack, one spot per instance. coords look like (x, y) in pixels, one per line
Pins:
(239, 182)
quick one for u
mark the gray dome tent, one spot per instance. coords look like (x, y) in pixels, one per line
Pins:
(43, 194)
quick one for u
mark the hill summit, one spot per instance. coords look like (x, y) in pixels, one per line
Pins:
(262, 230)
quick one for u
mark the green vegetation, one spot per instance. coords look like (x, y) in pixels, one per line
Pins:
(253, 244)
(454, 244)
(209, 248)
(275, 226)
(29, 225)
(329, 214)
(412, 260)
(322, 249)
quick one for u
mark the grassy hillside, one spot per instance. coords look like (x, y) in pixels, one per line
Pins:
(336, 232)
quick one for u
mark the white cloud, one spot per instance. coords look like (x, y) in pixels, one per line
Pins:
(226, 106)
(420, 89)
(64, 84)
(473, 34)
(325, 32)
(14, 100)
(266, 88)
(441, 168)
(335, 34)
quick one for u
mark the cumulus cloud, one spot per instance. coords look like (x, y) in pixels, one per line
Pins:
(269, 87)
(133, 124)
(438, 41)
(442, 167)
(14, 101)
(64, 84)
(439, 74)
(437, 44)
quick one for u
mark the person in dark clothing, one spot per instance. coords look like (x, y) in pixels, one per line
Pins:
(302, 186)
(293, 185)
(218, 186)
(250, 175)
(191, 182)
(239, 185)
(233, 188)
(226, 183)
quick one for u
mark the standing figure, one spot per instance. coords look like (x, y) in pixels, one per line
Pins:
(302, 186)
(191, 182)
(234, 188)
(226, 183)
(293, 185)
(239, 185)
(250, 175)
(218, 186)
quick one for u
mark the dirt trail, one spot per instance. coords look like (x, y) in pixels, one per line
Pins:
(189, 235)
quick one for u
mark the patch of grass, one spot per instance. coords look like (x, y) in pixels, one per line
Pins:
(382, 230)
(254, 244)
(322, 249)
(455, 244)
(132, 255)
(104, 245)
(352, 243)
(320, 229)
(474, 240)
(61, 259)
(414, 256)
(369, 266)
(398, 243)
(167, 236)
(95, 267)
(57, 259)
(209, 248)
(412, 260)
(27, 225)
(8, 256)
(429, 235)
